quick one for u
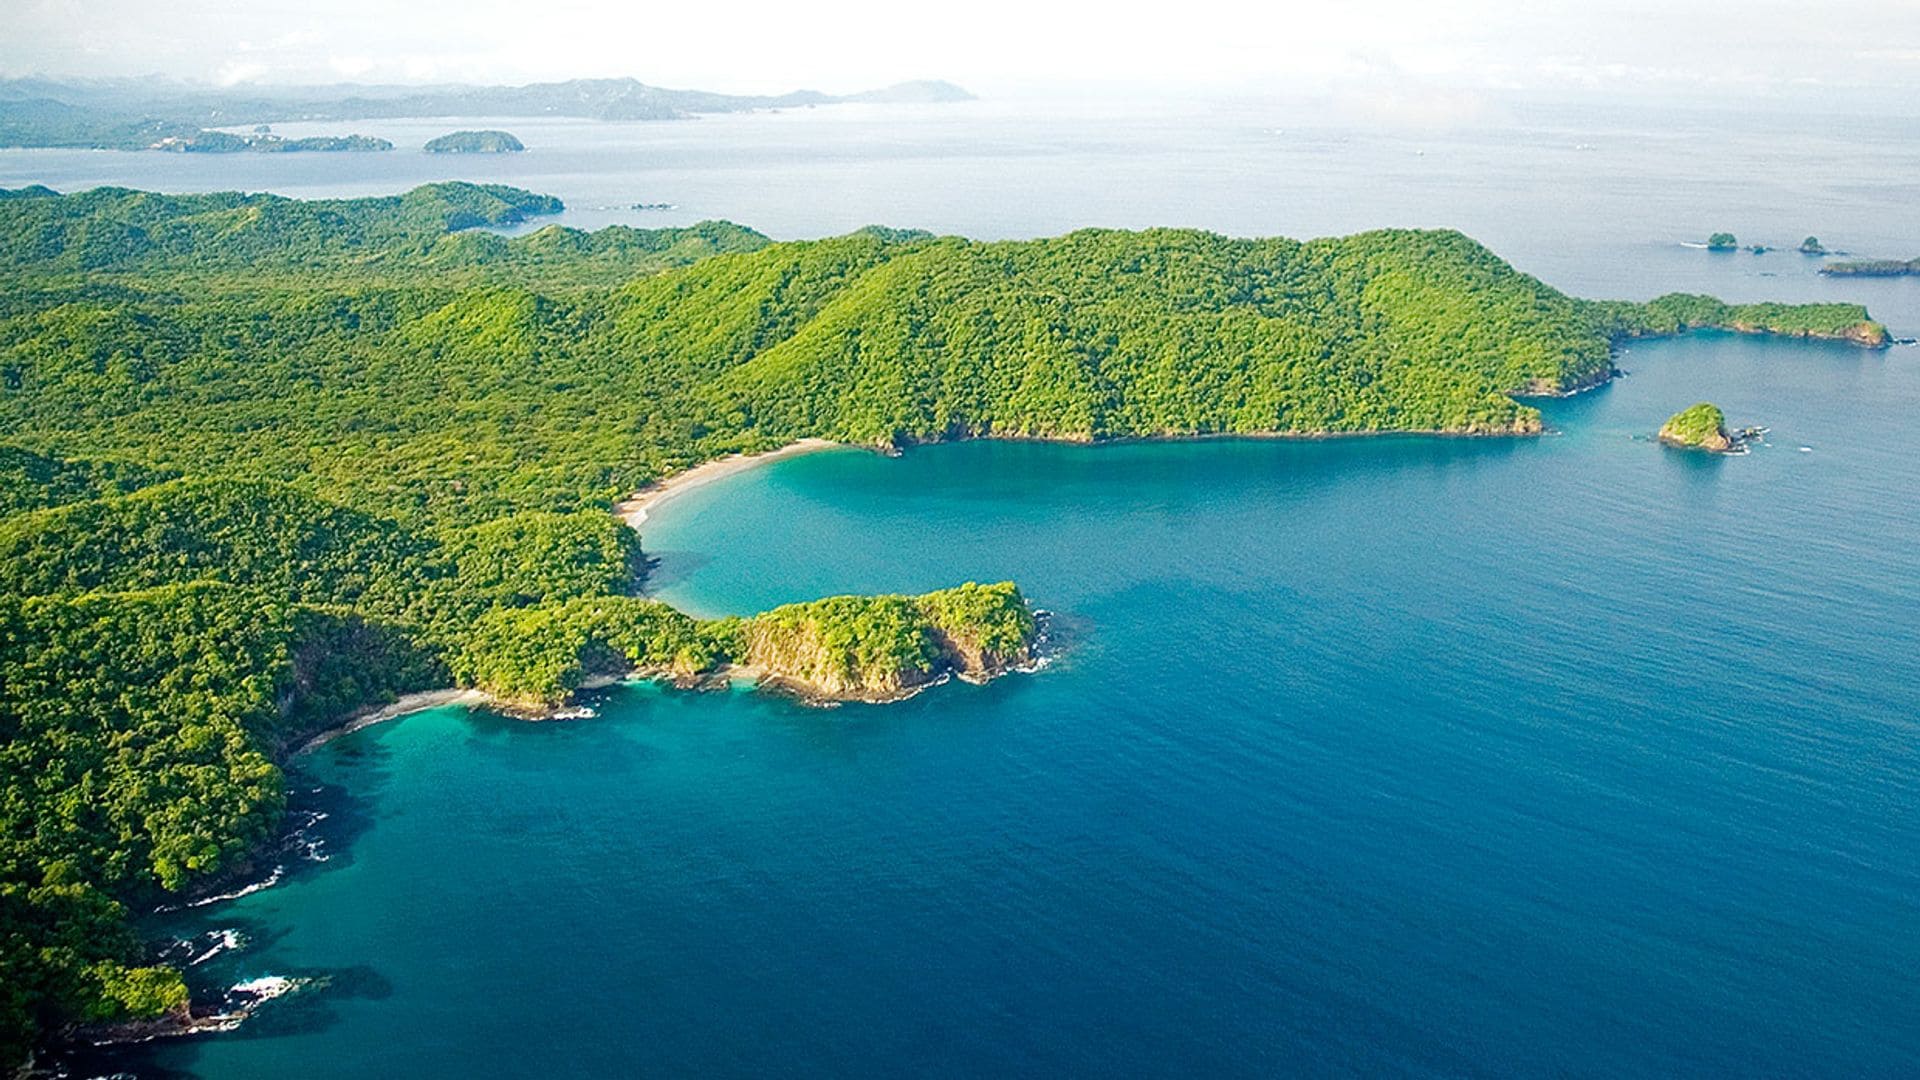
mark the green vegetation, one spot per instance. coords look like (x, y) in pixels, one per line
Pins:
(31, 481)
(1812, 246)
(537, 655)
(1872, 268)
(1677, 312)
(1701, 427)
(883, 646)
(475, 142)
(137, 733)
(47, 123)
(220, 142)
(1722, 241)
(840, 647)
(271, 461)
(140, 114)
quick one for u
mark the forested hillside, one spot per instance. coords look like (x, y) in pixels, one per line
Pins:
(265, 461)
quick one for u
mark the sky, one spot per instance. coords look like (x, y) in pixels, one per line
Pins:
(1407, 52)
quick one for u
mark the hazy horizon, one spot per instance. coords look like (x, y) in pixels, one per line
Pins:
(1392, 56)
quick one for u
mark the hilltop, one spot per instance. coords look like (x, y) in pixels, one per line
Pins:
(270, 462)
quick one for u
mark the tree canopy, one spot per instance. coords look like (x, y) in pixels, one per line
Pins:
(268, 461)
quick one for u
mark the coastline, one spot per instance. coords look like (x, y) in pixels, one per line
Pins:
(417, 701)
(634, 510)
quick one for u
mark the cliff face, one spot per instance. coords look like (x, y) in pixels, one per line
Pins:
(844, 648)
(1866, 334)
(881, 648)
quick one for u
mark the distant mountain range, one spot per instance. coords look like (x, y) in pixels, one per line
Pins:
(133, 114)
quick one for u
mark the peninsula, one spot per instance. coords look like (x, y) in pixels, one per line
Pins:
(273, 463)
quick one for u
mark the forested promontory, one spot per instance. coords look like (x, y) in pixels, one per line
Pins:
(268, 461)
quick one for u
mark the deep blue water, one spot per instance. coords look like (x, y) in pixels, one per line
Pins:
(1569, 756)
(1572, 756)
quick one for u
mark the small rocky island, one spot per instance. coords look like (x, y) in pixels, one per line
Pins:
(475, 142)
(1700, 427)
(1723, 241)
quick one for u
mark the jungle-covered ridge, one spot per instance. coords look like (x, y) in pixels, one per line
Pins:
(267, 461)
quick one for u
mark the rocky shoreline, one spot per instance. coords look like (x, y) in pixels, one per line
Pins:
(236, 1005)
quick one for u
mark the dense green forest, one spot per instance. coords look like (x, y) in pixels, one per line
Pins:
(1676, 312)
(839, 648)
(1701, 426)
(264, 461)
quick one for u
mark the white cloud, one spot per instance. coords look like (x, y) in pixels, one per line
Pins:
(1463, 46)
(235, 72)
(350, 67)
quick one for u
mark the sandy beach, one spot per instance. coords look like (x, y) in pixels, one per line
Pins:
(634, 511)
(404, 704)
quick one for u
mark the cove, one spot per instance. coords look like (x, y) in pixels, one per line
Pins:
(1391, 756)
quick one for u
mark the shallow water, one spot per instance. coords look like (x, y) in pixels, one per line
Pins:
(1389, 756)
(1399, 756)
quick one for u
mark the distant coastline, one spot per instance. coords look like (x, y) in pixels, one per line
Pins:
(131, 114)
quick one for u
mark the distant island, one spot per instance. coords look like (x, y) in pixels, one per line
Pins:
(475, 142)
(141, 114)
(220, 142)
(1698, 427)
(271, 464)
(1812, 246)
(1723, 241)
(1872, 268)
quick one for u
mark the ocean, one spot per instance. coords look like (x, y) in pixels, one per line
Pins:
(1405, 756)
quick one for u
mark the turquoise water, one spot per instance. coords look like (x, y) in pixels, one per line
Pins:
(1573, 755)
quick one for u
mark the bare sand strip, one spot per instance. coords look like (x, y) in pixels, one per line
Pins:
(634, 510)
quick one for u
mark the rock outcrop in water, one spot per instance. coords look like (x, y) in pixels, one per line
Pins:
(1698, 427)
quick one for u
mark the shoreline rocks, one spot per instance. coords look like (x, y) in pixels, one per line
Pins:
(1699, 427)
